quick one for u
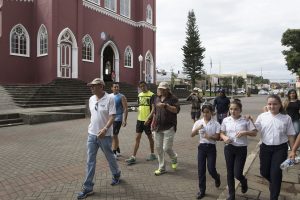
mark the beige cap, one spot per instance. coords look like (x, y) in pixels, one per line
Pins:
(163, 85)
(96, 81)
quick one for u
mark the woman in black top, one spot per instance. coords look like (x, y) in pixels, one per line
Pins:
(292, 107)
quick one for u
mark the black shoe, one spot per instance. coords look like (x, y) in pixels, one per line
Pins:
(118, 150)
(200, 195)
(244, 186)
(218, 181)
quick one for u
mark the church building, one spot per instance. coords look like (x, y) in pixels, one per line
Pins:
(41, 40)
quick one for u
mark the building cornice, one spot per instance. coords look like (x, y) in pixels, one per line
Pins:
(121, 18)
(25, 0)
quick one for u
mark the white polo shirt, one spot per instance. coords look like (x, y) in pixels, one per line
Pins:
(231, 126)
(211, 128)
(100, 112)
(274, 129)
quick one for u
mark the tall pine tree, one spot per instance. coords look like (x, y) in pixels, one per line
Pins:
(192, 51)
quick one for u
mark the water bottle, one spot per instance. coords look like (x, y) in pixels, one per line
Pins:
(297, 160)
(287, 163)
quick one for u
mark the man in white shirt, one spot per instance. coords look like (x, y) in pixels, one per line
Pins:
(103, 110)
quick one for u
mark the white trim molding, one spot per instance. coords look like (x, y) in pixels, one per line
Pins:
(121, 18)
(25, 0)
(19, 31)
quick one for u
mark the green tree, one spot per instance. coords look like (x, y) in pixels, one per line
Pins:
(291, 39)
(193, 52)
(240, 81)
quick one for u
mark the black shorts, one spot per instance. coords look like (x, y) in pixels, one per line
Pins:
(195, 115)
(116, 127)
(140, 127)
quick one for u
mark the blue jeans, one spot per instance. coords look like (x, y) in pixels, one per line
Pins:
(93, 144)
(296, 125)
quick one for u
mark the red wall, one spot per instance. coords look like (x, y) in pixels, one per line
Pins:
(57, 15)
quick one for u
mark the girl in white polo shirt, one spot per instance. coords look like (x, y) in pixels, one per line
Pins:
(234, 132)
(276, 130)
(209, 131)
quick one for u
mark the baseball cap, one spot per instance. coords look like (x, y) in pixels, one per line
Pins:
(163, 85)
(96, 81)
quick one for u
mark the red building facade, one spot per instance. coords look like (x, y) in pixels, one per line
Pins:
(41, 40)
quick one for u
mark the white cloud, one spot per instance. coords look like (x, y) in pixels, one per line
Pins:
(240, 35)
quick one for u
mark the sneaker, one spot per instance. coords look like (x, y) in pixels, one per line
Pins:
(116, 157)
(174, 163)
(118, 150)
(118, 154)
(244, 187)
(116, 179)
(151, 157)
(218, 181)
(84, 193)
(131, 160)
(159, 172)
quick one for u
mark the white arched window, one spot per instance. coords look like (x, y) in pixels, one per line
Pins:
(111, 5)
(19, 41)
(125, 8)
(128, 57)
(42, 41)
(87, 49)
(149, 14)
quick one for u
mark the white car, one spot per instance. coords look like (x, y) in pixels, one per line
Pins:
(263, 92)
(240, 91)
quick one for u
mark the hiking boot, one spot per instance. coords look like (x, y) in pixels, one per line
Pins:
(131, 160)
(151, 157)
(84, 193)
(159, 172)
(116, 179)
(174, 163)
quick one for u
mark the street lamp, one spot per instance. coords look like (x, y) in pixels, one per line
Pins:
(232, 86)
(140, 60)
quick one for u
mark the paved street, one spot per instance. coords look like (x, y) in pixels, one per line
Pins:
(47, 161)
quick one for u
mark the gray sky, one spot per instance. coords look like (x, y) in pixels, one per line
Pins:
(239, 35)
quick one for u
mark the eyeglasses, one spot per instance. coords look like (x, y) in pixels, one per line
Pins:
(96, 106)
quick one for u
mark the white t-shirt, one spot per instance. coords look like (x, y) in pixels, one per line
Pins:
(232, 126)
(274, 129)
(100, 112)
(211, 128)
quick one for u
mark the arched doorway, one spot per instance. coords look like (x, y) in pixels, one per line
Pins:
(108, 64)
(67, 55)
(109, 68)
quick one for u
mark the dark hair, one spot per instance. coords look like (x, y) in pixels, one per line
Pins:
(142, 82)
(290, 91)
(115, 83)
(208, 106)
(275, 96)
(238, 103)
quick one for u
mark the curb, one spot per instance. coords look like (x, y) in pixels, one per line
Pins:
(249, 161)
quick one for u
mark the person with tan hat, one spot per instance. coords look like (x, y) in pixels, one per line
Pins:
(165, 110)
(196, 104)
(100, 130)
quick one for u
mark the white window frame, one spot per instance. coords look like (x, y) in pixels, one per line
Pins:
(27, 41)
(108, 5)
(92, 48)
(97, 2)
(40, 33)
(149, 14)
(128, 49)
(126, 4)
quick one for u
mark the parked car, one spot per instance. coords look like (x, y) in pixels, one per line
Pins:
(240, 91)
(263, 92)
